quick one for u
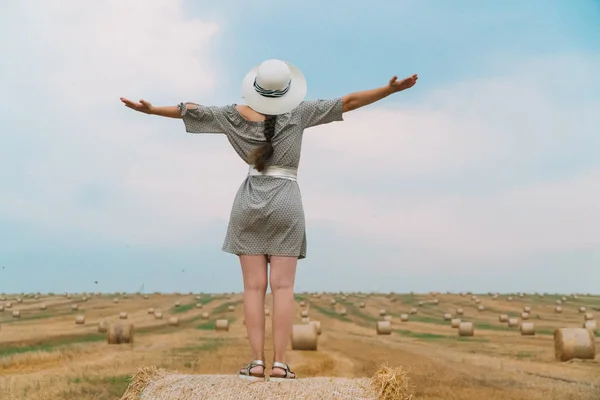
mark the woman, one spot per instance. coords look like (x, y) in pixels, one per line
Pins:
(267, 218)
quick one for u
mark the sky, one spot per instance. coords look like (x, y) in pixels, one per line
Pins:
(484, 176)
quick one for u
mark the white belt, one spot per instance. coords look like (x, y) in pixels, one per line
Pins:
(290, 173)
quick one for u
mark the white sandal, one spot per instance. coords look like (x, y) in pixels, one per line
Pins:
(289, 374)
(252, 376)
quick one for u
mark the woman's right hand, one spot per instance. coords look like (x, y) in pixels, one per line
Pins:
(143, 106)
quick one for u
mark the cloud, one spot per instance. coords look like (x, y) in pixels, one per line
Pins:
(90, 167)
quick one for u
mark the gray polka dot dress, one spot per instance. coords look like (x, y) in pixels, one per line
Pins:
(267, 216)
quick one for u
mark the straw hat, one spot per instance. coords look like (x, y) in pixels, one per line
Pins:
(274, 87)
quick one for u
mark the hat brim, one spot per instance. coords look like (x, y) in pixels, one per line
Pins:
(279, 105)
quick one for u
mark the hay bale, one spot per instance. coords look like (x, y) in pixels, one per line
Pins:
(527, 309)
(305, 320)
(16, 314)
(199, 305)
(230, 309)
(558, 309)
(455, 322)
(302, 304)
(151, 311)
(525, 316)
(304, 337)
(510, 298)
(413, 311)
(333, 302)
(383, 328)
(158, 315)
(304, 314)
(361, 305)
(574, 343)
(382, 312)
(582, 309)
(436, 302)
(80, 320)
(151, 383)
(1, 308)
(527, 329)
(120, 333)
(102, 326)
(513, 322)
(8, 305)
(205, 315)
(317, 325)
(342, 312)
(74, 307)
(480, 308)
(591, 325)
(460, 311)
(588, 316)
(404, 317)
(447, 317)
(173, 321)
(122, 315)
(267, 312)
(559, 302)
(177, 304)
(43, 307)
(387, 318)
(115, 301)
(222, 325)
(466, 329)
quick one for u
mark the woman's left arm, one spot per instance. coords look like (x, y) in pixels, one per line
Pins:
(366, 97)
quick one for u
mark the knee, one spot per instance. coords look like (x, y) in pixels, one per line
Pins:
(256, 285)
(281, 283)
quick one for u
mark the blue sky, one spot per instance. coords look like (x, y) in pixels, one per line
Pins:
(483, 177)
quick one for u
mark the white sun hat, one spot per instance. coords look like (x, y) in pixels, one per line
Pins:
(274, 87)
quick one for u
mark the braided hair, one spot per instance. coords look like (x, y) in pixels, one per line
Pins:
(259, 156)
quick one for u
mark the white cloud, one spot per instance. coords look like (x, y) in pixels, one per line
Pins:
(160, 184)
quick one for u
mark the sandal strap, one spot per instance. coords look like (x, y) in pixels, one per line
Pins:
(284, 367)
(252, 364)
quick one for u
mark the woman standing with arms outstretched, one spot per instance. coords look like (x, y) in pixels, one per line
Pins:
(267, 223)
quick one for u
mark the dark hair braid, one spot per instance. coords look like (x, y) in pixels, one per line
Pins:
(260, 155)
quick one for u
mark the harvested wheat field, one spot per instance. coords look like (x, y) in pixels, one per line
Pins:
(171, 348)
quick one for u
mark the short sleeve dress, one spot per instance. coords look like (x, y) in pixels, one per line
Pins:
(267, 216)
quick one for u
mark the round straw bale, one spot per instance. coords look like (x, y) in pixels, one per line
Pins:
(559, 302)
(527, 329)
(404, 317)
(574, 343)
(146, 297)
(304, 337)
(333, 302)
(527, 309)
(19, 300)
(558, 309)
(16, 314)
(158, 315)
(387, 318)
(466, 329)
(317, 325)
(582, 309)
(8, 305)
(151, 310)
(80, 319)
(342, 312)
(513, 322)
(123, 315)
(495, 297)
(84, 298)
(222, 325)
(480, 308)
(436, 301)
(361, 304)
(1, 308)
(591, 325)
(119, 333)
(115, 301)
(177, 304)
(42, 306)
(304, 314)
(382, 312)
(421, 303)
(477, 301)
(205, 315)
(447, 317)
(267, 312)
(305, 320)
(588, 316)
(524, 315)
(102, 326)
(173, 321)
(460, 311)
(302, 304)
(383, 328)
(230, 309)
(455, 322)
(199, 305)
(564, 298)
(413, 310)
(125, 295)
(510, 298)
(74, 307)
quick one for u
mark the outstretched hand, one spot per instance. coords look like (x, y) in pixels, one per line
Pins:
(143, 106)
(406, 83)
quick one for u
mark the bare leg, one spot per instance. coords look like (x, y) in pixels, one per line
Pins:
(282, 277)
(254, 271)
